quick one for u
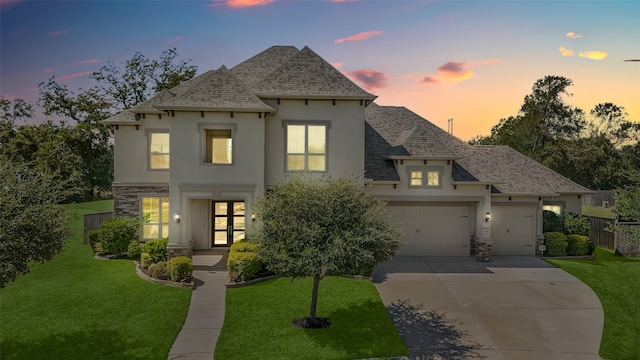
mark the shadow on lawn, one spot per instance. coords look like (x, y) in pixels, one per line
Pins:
(90, 344)
(428, 334)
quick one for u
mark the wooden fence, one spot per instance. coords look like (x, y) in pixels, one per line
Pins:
(623, 243)
(93, 221)
(602, 198)
(598, 233)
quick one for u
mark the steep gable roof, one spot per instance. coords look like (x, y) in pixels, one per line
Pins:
(216, 90)
(256, 68)
(307, 75)
(148, 106)
(376, 165)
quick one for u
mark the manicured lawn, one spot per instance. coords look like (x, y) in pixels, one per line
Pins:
(598, 211)
(258, 319)
(616, 281)
(76, 307)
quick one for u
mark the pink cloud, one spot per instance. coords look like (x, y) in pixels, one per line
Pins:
(75, 75)
(10, 97)
(342, 1)
(174, 39)
(46, 70)
(491, 61)
(359, 36)
(369, 79)
(59, 32)
(566, 52)
(240, 3)
(451, 72)
(594, 55)
(88, 61)
(337, 65)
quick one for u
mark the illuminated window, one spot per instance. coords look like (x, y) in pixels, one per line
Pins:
(424, 177)
(416, 178)
(159, 150)
(155, 217)
(306, 147)
(433, 178)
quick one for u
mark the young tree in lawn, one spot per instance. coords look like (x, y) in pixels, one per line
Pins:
(319, 226)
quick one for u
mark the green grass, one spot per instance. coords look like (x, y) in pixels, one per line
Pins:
(76, 307)
(258, 324)
(598, 211)
(616, 281)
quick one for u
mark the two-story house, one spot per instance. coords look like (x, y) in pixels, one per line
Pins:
(189, 161)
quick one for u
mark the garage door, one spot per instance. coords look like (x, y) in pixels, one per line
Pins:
(433, 230)
(513, 230)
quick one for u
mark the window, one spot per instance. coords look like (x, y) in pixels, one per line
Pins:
(429, 177)
(306, 147)
(159, 150)
(557, 209)
(219, 146)
(155, 217)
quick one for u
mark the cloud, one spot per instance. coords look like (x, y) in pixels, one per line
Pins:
(594, 55)
(368, 78)
(88, 61)
(174, 39)
(451, 72)
(337, 65)
(75, 75)
(59, 32)
(342, 1)
(46, 70)
(566, 52)
(491, 61)
(572, 35)
(359, 36)
(6, 4)
(239, 3)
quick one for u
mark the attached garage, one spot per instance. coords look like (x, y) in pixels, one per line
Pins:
(513, 229)
(433, 230)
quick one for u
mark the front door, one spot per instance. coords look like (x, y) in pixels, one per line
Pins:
(228, 222)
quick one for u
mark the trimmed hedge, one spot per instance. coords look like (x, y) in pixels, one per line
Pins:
(114, 235)
(180, 268)
(244, 263)
(556, 243)
(578, 245)
(157, 249)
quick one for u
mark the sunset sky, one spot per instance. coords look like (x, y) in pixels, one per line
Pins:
(473, 61)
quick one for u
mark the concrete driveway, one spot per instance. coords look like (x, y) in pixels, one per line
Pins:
(510, 308)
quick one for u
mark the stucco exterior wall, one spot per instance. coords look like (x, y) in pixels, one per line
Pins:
(131, 152)
(345, 134)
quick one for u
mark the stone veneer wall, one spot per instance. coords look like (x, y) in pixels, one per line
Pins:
(482, 249)
(126, 201)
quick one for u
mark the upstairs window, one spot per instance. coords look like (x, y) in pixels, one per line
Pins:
(219, 146)
(425, 177)
(306, 148)
(159, 150)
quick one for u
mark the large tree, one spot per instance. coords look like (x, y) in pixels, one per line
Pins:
(319, 226)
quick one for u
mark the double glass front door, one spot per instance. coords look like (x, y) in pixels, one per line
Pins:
(228, 222)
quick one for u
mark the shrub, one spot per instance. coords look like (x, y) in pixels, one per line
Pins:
(244, 246)
(116, 233)
(576, 224)
(134, 249)
(159, 270)
(157, 249)
(550, 221)
(93, 237)
(578, 245)
(98, 249)
(244, 263)
(145, 260)
(556, 243)
(180, 268)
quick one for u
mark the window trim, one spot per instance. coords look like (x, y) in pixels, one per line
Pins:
(306, 124)
(160, 224)
(425, 176)
(148, 133)
(202, 129)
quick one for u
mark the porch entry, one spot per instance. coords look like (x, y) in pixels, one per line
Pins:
(228, 222)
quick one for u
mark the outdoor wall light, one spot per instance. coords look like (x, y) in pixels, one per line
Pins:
(253, 217)
(487, 217)
(177, 217)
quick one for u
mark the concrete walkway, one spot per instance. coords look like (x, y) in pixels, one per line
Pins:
(199, 334)
(517, 308)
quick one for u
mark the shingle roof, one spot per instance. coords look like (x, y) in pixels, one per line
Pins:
(514, 173)
(148, 106)
(376, 165)
(256, 68)
(307, 75)
(125, 117)
(216, 90)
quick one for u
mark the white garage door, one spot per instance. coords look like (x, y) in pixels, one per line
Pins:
(513, 230)
(433, 230)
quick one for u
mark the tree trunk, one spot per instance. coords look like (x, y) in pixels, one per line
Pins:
(314, 297)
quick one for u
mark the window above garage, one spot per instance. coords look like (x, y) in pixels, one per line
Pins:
(424, 177)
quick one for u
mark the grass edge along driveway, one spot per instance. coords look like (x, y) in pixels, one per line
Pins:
(616, 281)
(77, 307)
(258, 319)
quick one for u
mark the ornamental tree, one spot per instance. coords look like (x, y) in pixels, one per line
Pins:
(319, 226)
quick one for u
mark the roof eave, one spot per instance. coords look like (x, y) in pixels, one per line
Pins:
(317, 97)
(422, 157)
(215, 108)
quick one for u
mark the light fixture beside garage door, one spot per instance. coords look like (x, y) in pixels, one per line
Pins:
(487, 217)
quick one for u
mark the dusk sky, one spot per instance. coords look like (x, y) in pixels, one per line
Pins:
(473, 61)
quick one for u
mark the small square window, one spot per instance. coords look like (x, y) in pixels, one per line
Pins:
(433, 178)
(424, 177)
(219, 146)
(416, 178)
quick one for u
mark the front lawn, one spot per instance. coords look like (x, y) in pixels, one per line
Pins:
(598, 211)
(76, 307)
(258, 319)
(616, 281)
